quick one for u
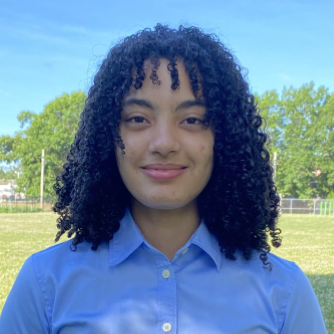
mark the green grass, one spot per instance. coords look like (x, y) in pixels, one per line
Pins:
(307, 240)
(8, 209)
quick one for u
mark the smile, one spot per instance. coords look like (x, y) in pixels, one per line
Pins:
(163, 172)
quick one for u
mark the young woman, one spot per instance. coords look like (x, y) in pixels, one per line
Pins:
(169, 195)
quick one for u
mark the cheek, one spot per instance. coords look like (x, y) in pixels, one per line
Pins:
(132, 159)
(119, 161)
(206, 154)
(202, 148)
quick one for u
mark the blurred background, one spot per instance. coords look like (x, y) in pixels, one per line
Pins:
(50, 51)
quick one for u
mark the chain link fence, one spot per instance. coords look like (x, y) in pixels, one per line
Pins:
(307, 206)
(289, 205)
(27, 204)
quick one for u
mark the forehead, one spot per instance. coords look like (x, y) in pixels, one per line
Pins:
(158, 63)
(160, 77)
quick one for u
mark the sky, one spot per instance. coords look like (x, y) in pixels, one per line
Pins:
(48, 48)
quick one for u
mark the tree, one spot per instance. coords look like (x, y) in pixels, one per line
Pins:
(9, 173)
(6, 149)
(270, 108)
(304, 138)
(52, 130)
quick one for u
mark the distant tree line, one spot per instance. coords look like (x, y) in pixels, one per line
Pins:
(52, 130)
(300, 123)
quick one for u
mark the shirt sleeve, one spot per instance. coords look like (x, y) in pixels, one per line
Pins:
(25, 310)
(303, 312)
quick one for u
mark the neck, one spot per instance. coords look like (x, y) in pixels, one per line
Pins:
(166, 230)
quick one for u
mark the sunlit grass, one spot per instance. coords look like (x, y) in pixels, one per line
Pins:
(22, 234)
(307, 240)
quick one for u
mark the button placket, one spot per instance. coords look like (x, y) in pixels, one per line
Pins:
(167, 302)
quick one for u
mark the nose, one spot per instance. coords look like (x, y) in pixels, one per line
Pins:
(164, 138)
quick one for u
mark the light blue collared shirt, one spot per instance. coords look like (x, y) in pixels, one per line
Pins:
(129, 287)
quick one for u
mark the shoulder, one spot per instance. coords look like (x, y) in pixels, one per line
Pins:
(280, 275)
(276, 280)
(283, 266)
(66, 249)
(278, 266)
(283, 276)
(300, 311)
(60, 259)
(289, 272)
(287, 289)
(61, 252)
(276, 284)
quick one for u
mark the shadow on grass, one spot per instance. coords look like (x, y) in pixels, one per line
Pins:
(323, 286)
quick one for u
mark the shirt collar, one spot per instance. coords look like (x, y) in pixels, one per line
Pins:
(128, 238)
(208, 243)
(125, 241)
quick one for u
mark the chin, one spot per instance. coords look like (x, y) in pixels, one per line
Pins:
(166, 204)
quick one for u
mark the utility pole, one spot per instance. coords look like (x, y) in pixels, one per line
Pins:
(42, 178)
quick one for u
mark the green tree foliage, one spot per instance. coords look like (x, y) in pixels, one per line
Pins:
(300, 123)
(270, 110)
(6, 149)
(52, 130)
(7, 174)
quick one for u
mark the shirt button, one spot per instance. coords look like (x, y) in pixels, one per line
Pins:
(166, 327)
(184, 251)
(165, 273)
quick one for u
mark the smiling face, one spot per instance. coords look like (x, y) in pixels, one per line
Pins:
(169, 152)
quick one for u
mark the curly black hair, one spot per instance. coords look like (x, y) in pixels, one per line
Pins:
(240, 204)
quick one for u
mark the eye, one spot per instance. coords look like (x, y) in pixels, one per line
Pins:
(136, 119)
(192, 120)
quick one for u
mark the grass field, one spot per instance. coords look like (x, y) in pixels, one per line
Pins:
(307, 240)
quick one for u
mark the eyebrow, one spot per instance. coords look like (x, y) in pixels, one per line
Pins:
(189, 104)
(147, 104)
(138, 102)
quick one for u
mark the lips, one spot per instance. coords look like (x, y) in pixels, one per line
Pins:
(164, 166)
(163, 171)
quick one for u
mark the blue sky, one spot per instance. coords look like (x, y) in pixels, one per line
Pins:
(52, 47)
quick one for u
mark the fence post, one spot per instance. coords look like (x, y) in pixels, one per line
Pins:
(290, 205)
(42, 178)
